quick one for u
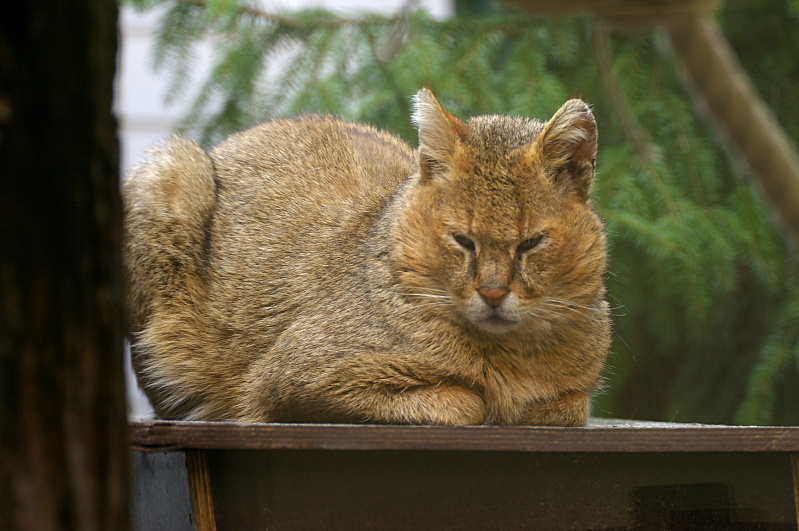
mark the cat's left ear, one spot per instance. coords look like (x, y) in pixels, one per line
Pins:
(567, 146)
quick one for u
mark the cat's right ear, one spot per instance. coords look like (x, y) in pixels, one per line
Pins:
(439, 133)
(568, 144)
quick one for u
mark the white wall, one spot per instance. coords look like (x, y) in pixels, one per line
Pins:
(145, 119)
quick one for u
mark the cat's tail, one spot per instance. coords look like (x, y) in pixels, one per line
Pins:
(169, 202)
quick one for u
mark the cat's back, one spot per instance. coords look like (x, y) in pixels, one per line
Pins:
(303, 166)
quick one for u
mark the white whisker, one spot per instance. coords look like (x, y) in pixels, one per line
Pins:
(427, 295)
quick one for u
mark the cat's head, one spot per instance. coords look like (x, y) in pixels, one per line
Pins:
(499, 230)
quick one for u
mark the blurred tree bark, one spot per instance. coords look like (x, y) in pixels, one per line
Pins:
(63, 455)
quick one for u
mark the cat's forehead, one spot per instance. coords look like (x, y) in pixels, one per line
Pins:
(504, 208)
(495, 188)
(494, 133)
(494, 160)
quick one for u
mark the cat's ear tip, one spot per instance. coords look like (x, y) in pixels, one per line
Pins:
(576, 108)
(577, 103)
(424, 97)
(426, 108)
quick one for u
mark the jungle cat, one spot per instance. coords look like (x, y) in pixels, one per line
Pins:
(314, 270)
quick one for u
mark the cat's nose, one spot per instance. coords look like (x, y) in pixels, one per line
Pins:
(493, 296)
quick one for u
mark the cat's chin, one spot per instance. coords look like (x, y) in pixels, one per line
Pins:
(495, 324)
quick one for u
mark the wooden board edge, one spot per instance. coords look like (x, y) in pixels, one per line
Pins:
(161, 435)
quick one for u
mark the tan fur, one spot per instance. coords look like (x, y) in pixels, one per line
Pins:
(316, 270)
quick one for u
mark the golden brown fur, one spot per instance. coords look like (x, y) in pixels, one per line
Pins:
(316, 270)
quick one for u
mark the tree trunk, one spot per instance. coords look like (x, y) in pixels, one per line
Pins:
(63, 456)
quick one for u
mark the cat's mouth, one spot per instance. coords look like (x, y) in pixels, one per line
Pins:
(493, 319)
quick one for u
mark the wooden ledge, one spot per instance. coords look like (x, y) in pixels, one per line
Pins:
(601, 435)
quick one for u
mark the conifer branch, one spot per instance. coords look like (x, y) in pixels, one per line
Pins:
(400, 96)
(633, 130)
(333, 22)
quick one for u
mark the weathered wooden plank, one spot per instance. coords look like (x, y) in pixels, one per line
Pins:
(317, 489)
(601, 436)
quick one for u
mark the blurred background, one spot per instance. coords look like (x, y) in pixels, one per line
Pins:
(704, 274)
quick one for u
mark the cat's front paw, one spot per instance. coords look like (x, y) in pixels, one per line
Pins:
(567, 409)
(443, 404)
(459, 406)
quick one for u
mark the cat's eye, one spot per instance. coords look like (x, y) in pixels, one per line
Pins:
(464, 242)
(529, 244)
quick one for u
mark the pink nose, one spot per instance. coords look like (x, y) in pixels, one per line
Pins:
(493, 296)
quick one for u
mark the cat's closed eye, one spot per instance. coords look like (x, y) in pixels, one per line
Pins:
(529, 244)
(464, 242)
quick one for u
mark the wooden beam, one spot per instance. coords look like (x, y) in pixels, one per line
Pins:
(739, 112)
(601, 437)
(202, 501)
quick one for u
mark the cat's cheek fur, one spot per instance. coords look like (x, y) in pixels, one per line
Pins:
(585, 260)
(535, 274)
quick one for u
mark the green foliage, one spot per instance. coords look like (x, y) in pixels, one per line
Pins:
(706, 289)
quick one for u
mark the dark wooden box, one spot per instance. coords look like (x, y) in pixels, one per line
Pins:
(609, 475)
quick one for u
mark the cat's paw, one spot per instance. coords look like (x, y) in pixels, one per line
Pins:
(451, 405)
(567, 409)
